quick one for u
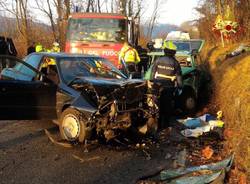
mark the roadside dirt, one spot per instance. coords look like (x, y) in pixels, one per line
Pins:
(231, 94)
(28, 156)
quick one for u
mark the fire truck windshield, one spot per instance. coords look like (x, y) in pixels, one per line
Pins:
(96, 30)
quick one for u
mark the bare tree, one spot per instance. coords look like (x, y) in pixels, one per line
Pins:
(47, 10)
(155, 15)
(19, 8)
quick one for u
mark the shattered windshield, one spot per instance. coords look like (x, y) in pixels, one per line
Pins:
(97, 29)
(77, 67)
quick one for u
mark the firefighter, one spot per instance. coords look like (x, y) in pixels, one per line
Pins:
(39, 48)
(3, 51)
(55, 47)
(31, 48)
(11, 49)
(167, 71)
(143, 64)
(3, 45)
(130, 56)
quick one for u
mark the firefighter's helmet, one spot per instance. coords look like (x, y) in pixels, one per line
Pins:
(169, 45)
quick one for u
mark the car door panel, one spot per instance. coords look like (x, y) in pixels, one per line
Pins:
(24, 99)
(27, 100)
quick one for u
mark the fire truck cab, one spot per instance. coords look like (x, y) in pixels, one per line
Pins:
(101, 34)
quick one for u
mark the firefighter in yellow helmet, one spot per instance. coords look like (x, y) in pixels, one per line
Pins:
(166, 70)
(39, 48)
(56, 47)
(130, 56)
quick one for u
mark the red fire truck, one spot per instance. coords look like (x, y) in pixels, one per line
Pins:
(100, 34)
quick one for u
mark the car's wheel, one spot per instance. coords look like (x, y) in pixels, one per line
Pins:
(188, 101)
(72, 125)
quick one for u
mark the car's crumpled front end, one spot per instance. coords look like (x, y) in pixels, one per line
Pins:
(122, 105)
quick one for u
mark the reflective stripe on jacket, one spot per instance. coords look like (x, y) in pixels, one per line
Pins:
(158, 75)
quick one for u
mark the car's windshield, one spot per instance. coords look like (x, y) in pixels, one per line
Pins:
(74, 67)
(97, 29)
(183, 46)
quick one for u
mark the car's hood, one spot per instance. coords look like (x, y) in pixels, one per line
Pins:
(105, 86)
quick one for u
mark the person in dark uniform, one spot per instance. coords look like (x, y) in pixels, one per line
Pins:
(31, 48)
(166, 70)
(3, 45)
(11, 49)
(3, 51)
(144, 59)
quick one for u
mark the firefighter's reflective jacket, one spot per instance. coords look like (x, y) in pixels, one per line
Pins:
(167, 68)
(129, 54)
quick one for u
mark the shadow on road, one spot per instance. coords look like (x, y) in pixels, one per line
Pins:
(25, 138)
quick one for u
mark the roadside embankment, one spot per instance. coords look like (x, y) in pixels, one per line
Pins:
(231, 94)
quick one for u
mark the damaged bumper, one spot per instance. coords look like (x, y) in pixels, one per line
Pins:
(132, 104)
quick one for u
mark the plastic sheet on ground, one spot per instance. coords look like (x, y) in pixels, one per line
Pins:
(198, 126)
(206, 178)
(198, 174)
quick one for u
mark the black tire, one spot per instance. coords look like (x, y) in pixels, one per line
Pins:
(76, 124)
(188, 101)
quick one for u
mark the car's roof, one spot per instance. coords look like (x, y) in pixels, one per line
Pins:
(62, 54)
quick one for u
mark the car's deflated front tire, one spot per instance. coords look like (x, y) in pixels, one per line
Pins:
(72, 125)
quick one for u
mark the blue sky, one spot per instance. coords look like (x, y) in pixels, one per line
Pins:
(174, 11)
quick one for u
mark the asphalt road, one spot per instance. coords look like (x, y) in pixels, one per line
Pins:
(28, 156)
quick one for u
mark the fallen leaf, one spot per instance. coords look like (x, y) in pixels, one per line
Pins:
(243, 179)
(207, 152)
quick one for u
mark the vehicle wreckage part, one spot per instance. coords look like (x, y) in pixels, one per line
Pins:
(150, 127)
(73, 126)
(152, 124)
(223, 165)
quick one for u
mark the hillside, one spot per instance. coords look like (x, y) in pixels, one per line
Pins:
(161, 29)
(231, 81)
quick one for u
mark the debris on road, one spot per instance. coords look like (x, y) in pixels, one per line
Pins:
(203, 124)
(60, 143)
(148, 156)
(212, 168)
(241, 49)
(168, 156)
(85, 160)
(180, 159)
(207, 152)
(214, 172)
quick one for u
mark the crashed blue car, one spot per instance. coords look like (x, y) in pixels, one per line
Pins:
(85, 95)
